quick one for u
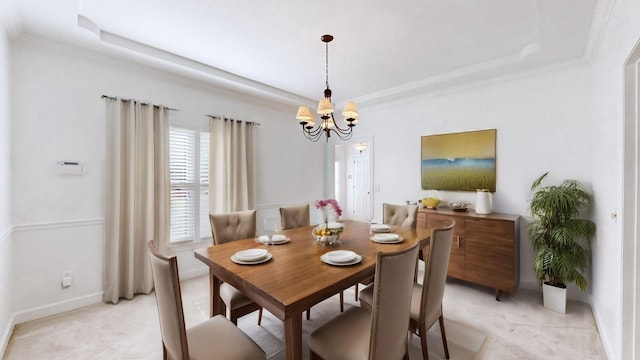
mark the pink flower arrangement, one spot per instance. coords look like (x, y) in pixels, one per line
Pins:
(329, 204)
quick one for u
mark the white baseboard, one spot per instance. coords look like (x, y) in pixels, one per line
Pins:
(6, 336)
(57, 308)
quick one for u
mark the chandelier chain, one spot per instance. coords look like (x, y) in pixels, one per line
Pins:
(327, 63)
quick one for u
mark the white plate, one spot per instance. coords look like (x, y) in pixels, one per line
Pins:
(387, 238)
(241, 262)
(265, 240)
(353, 262)
(251, 254)
(380, 227)
(340, 256)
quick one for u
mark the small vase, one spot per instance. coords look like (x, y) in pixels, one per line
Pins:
(483, 202)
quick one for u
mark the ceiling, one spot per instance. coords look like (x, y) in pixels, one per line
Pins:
(382, 50)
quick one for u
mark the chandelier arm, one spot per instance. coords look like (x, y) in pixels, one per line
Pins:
(340, 130)
(312, 134)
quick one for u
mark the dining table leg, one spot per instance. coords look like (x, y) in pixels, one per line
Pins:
(293, 336)
(217, 305)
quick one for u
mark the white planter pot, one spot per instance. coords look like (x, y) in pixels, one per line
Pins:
(554, 298)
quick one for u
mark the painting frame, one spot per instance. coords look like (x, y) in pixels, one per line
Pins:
(462, 161)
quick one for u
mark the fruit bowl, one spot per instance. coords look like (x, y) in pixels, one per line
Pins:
(431, 203)
(327, 235)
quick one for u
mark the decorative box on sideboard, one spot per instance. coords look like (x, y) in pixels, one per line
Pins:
(486, 248)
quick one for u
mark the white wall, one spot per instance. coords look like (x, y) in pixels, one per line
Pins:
(59, 115)
(622, 34)
(6, 322)
(543, 123)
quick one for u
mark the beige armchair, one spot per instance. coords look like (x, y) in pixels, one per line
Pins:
(400, 215)
(230, 227)
(426, 299)
(214, 338)
(380, 334)
(294, 216)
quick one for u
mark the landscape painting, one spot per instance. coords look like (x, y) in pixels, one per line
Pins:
(463, 161)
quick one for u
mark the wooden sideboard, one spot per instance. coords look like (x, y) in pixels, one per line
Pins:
(486, 248)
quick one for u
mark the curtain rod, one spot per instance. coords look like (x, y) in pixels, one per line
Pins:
(224, 117)
(143, 103)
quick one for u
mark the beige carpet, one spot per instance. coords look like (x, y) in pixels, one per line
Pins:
(478, 327)
(464, 342)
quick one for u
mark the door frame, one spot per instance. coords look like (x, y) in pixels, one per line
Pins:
(630, 201)
(370, 152)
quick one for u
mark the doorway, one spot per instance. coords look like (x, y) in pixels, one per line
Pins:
(630, 203)
(353, 183)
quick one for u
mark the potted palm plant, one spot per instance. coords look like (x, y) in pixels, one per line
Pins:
(559, 238)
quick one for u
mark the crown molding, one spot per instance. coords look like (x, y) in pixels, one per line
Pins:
(219, 76)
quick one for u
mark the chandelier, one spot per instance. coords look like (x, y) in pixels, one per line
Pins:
(327, 123)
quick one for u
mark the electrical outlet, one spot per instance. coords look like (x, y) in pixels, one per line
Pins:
(66, 278)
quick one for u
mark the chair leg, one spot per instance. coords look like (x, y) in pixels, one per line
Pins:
(232, 317)
(357, 292)
(406, 348)
(423, 341)
(308, 314)
(444, 337)
(164, 352)
(341, 301)
(260, 317)
(313, 356)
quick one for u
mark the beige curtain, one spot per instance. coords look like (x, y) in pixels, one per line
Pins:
(231, 164)
(137, 194)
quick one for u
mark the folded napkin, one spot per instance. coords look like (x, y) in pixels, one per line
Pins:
(251, 254)
(278, 237)
(380, 227)
(385, 237)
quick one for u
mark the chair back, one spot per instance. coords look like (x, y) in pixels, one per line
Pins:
(169, 303)
(293, 217)
(392, 303)
(232, 226)
(436, 257)
(400, 215)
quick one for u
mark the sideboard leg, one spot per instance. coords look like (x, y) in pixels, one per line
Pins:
(498, 294)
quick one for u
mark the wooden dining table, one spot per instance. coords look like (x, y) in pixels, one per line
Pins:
(295, 278)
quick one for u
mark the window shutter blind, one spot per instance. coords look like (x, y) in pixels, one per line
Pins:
(181, 176)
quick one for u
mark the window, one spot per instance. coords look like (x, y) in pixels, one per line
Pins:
(189, 177)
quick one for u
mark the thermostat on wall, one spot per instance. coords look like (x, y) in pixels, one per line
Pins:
(70, 168)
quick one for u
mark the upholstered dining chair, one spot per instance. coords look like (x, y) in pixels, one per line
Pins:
(381, 333)
(399, 215)
(293, 217)
(215, 338)
(297, 216)
(426, 298)
(230, 227)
